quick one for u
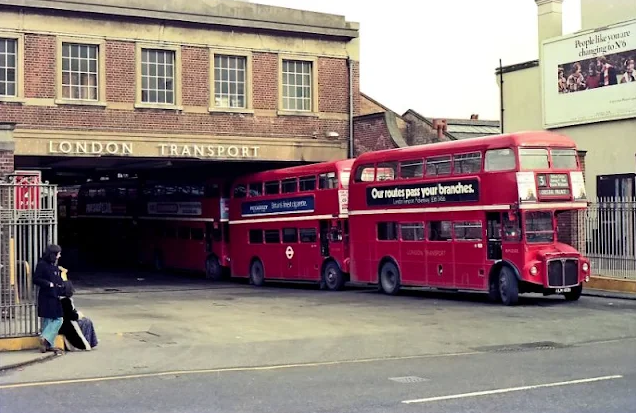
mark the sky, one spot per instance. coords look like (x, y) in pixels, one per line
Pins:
(438, 57)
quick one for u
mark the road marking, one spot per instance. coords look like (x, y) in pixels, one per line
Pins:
(510, 389)
(230, 370)
(408, 379)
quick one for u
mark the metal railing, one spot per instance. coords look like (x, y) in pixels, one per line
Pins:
(609, 225)
(28, 223)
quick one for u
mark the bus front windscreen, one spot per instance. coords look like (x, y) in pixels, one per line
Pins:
(539, 227)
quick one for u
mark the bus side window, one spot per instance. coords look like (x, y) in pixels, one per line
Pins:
(240, 191)
(468, 230)
(256, 236)
(184, 233)
(499, 160)
(511, 226)
(197, 234)
(387, 171)
(387, 231)
(438, 165)
(290, 235)
(439, 231)
(328, 181)
(412, 231)
(256, 189)
(272, 236)
(364, 173)
(272, 188)
(307, 183)
(467, 163)
(289, 185)
(308, 235)
(411, 169)
(335, 235)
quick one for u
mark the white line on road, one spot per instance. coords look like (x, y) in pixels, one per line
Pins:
(510, 389)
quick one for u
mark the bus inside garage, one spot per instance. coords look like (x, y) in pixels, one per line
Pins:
(125, 214)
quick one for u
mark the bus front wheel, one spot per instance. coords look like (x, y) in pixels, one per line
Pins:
(574, 294)
(508, 286)
(213, 270)
(390, 278)
(257, 273)
(332, 277)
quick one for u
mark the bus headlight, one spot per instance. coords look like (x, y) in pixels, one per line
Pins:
(585, 267)
(533, 270)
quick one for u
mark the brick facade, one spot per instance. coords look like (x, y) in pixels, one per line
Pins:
(6, 163)
(40, 55)
(371, 133)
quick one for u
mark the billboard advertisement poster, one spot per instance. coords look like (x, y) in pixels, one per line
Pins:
(589, 76)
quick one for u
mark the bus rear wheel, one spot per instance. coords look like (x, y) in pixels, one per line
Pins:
(213, 270)
(257, 273)
(332, 277)
(390, 278)
(508, 287)
(574, 294)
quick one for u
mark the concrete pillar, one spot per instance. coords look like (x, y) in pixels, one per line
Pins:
(550, 19)
(7, 149)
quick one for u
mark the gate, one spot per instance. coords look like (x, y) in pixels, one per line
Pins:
(28, 223)
(610, 228)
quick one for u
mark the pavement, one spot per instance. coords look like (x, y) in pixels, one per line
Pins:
(585, 378)
(166, 334)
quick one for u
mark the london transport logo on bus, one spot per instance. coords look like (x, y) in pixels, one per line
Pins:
(426, 193)
(278, 206)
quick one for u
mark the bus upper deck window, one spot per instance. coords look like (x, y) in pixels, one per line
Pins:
(387, 171)
(533, 158)
(328, 181)
(500, 160)
(438, 165)
(365, 173)
(240, 191)
(564, 158)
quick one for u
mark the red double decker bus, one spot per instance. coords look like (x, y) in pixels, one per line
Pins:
(184, 226)
(291, 224)
(478, 214)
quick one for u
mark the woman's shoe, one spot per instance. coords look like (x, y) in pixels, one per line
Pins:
(43, 345)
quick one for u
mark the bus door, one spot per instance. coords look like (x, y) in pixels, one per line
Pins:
(511, 236)
(289, 268)
(493, 236)
(324, 238)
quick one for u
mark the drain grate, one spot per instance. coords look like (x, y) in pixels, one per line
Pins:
(408, 379)
(511, 348)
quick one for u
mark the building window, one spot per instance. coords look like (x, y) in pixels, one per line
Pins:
(80, 71)
(297, 85)
(158, 76)
(8, 67)
(229, 81)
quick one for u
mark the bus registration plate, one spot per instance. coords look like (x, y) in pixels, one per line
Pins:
(563, 290)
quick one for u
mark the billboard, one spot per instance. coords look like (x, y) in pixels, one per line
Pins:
(589, 76)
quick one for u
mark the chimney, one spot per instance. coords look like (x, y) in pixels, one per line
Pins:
(441, 127)
(474, 117)
(550, 19)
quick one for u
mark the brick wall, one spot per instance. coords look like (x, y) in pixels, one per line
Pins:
(420, 132)
(6, 162)
(39, 66)
(371, 133)
(120, 73)
(196, 76)
(265, 76)
(40, 55)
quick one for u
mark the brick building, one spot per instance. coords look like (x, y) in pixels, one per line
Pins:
(377, 127)
(101, 81)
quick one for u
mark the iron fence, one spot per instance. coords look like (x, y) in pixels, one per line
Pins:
(609, 225)
(28, 223)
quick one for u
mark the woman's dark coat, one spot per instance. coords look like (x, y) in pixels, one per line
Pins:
(49, 305)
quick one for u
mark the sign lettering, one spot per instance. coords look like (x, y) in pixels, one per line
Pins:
(208, 151)
(424, 193)
(278, 206)
(90, 148)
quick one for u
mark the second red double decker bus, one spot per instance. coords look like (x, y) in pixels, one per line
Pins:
(291, 224)
(478, 214)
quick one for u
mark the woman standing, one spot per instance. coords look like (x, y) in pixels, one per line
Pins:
(47, 277)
